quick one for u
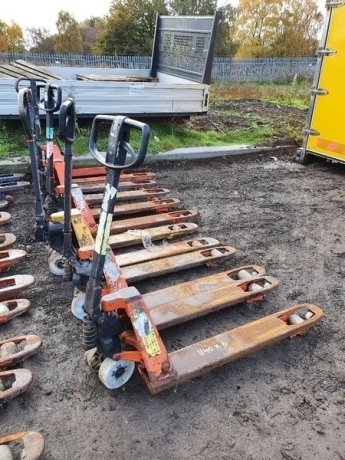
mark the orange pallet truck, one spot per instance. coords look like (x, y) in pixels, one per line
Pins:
(29, 443)
(121, 328)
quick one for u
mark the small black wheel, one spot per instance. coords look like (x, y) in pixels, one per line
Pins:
(301, 156)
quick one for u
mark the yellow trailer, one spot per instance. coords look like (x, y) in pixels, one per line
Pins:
(324, 133)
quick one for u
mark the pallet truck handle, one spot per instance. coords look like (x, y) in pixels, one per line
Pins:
(30, 81)
(118, 137)
(52, 98)
(67, 121)
(25, 113)
(36, 86)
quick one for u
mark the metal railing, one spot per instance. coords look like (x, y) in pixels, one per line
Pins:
(223, 69)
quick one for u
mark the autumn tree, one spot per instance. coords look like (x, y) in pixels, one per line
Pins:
(255, 26)
(297, 29)
(89, 31)
(225, 44)
(11, 38)
(68, 39)
(266, 28)
(3, 37)
(41, 40)
(192, 7)
(130, 26)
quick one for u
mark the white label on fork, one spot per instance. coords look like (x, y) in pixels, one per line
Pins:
(50, 148)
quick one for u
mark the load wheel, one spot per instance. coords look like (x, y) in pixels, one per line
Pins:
(114, 374)
(78, 304)
(56, 262)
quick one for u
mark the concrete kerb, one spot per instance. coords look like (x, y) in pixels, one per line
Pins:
(20, 165)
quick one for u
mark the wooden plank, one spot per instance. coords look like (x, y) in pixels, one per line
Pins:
(38, 71)
(17, 70)
(116, 78)
(9, 71)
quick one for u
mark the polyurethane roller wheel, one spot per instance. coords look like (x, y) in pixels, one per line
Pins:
(114, 374)
(55, 263)
(5, 452)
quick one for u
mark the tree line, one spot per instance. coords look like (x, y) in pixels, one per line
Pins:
(255, 28)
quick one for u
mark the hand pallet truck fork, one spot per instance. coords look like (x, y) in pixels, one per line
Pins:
(76, 260)
(121, 326)
(142, 264)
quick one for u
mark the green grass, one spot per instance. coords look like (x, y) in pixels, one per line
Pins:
(170, 134)
(291, 94)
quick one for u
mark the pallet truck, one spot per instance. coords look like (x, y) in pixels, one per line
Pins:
(13, 383)
(10, 183)
(147, 263)
(121, 327)
(30, 445)
(75, 263)
(7, 240)
(16, 349)
(30, 101)
(51, 229)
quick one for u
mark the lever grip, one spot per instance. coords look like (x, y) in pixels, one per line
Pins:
(30, 82)
(25, 111)
(67, 121)
(36, 86)
(118, 144)
(52, 98)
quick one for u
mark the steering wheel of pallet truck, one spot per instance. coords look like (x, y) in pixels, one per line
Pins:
(118, 143)
(25, 113)
(52, 98)
(67, 121)
(36, 85)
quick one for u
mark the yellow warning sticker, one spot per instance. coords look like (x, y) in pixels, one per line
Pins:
(151, 344)
(143, 326)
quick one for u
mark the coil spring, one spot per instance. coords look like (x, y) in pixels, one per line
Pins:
(50, 205)
(67, 271)
(89, 334)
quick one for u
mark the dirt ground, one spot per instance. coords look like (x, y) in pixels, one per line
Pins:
(284, 402)
(286, 122)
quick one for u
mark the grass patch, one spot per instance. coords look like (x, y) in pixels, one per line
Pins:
(170, 134)
(292, 94)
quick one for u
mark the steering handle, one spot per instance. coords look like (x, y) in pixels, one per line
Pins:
(67, 121)
(37, 86)
(29, 80)
(52, 98)
(118, 144)
(24, 100)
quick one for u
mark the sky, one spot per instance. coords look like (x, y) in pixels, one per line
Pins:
(42, 13)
